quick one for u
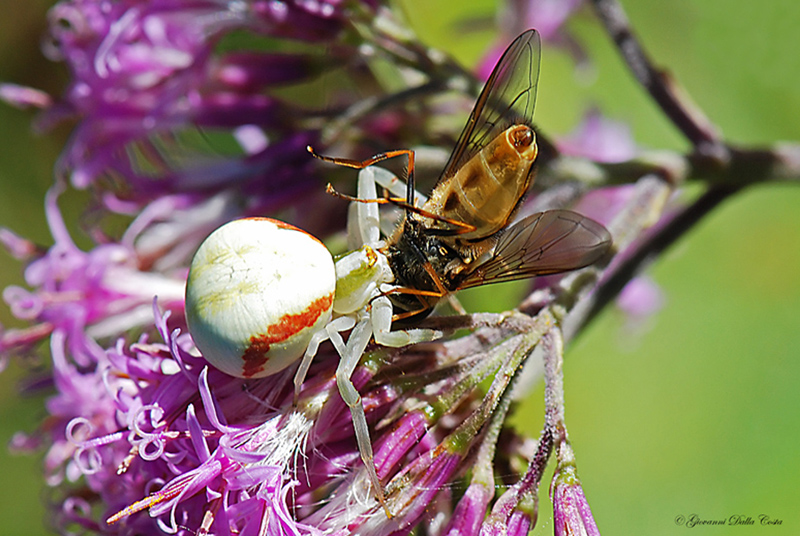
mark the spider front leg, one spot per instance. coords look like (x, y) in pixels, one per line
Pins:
(363, 224)
(356, 344)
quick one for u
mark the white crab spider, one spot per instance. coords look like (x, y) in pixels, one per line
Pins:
(260, 294)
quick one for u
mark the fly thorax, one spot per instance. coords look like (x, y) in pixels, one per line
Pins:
(358, 274)
(438, 254)
(468, 256)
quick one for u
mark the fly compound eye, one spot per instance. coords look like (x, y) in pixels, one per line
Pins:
(258, 289)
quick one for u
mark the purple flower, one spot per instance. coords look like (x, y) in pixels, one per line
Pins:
(248, 461)
(604, 140)
(547, 16)
(641, 298)
(599, 139)
(470, 510)
(571, 512)
(24, 97)
(514, 514)
(84, 296)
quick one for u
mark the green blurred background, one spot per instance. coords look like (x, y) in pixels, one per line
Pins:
(698, 412)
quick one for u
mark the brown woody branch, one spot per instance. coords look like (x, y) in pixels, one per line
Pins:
(664, 90)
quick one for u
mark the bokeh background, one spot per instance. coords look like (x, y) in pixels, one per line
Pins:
(696, 411)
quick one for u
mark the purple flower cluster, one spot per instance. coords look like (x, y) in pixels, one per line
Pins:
(146, 73)
(138, 420)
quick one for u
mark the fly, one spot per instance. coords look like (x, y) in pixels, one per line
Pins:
(462, 236)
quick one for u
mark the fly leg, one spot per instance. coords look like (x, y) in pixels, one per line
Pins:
(359, 338)
(365, 164)
(394, 185)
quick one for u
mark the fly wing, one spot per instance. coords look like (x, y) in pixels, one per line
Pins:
(508, 98)
(544, 243)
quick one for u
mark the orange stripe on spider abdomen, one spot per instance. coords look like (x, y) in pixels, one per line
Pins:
(255, 356)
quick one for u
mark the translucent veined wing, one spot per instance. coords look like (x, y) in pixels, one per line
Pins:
(508, 98)
(544, 243)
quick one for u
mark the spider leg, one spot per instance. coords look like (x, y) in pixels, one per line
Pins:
(356, 344)
(382, 312)
(330, 331)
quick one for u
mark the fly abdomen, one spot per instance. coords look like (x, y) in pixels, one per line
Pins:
(486, 190)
